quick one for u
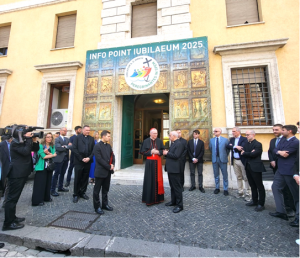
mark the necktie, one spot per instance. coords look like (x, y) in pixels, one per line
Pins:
(277, 141)
(217, 147)
(8, 146)
(195, 145)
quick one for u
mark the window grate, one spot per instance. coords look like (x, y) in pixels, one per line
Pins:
(251, 96)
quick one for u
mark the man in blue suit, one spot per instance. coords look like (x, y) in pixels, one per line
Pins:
(286, 151)
(217, 146)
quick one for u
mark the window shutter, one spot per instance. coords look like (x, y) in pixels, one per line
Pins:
(4, 36)
(144, 20)
(65, 31)
(240, 11)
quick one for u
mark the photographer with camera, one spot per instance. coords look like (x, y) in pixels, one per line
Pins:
(44, 170)
(20, 168)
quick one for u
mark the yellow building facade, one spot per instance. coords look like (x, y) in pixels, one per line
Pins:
(31, 62)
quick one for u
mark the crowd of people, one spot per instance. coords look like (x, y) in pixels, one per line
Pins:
(93, 160)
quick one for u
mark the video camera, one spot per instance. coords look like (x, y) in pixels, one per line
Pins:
(18, 132)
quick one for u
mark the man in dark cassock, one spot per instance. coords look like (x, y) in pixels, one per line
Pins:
(153, 187)
(105, 165)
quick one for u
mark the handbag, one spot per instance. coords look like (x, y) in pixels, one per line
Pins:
(50, 165)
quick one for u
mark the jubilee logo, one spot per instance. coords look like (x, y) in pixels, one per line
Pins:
(142, 72)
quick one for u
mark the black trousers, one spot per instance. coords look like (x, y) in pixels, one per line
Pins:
(41, 187)
(287, 197)
(257, 186)
(176, 189)
(70, 169)
(193, 173)
(103, 183)
(16, 186)
(81, 179)
(182, 167)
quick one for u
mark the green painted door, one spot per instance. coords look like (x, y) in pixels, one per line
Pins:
(127, 132)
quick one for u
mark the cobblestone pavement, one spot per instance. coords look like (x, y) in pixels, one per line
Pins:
(207, 221)
(10, 250)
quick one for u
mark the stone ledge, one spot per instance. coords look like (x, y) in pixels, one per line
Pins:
(263, 45)
(5, 72)
(62, 66)
(53, 238)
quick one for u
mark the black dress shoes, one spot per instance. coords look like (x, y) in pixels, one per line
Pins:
(99, 211)
(226, 193)
(18, 220)
(251, 203)
(170, 204)
(50, 200)
(192, 188)
(259, 208)
(12, 226)
(84, 196)
(39, 204)
(294, 223)
(279, 215)
(55, 194)
(216, 191)
(177, 209)
(107, 207)
(201, 189)
(75, 199)
(2, 245)
(63, 190)
(67, 184)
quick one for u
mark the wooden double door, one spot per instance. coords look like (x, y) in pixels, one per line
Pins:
(144, 120)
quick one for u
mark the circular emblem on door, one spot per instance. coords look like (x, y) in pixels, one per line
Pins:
(142, 72)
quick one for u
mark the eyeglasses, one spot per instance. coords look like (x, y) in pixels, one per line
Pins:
(248, 134)
(216, 131)
(49, 137)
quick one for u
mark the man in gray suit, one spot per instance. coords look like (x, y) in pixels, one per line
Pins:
(217, 146)
(62, 147)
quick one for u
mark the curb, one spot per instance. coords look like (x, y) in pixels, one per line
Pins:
(84, 244)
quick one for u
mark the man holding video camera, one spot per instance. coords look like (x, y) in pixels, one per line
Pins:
(20, 168)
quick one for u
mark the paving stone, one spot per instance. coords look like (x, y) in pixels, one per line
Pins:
(11, 254)
(31, 252)
(49, 254)
(3, 254)
(52, 238)
(96, 246)
(21, 249)
(120, 246)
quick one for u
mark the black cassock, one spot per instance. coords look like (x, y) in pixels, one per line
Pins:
(153, 172)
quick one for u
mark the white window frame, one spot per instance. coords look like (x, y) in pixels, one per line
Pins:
(252, 55)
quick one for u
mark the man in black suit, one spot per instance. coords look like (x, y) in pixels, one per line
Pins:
(183, 157)
(105, 164)
(173, 156)
(288, 198)
(71, 163)
(83, 146)
(62, 147)
(252, 151)
(5, 160)
(236, 144)
(195, 152)
(20, 168)
(286, 151)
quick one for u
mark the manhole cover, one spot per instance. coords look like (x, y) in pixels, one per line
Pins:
(75, 220)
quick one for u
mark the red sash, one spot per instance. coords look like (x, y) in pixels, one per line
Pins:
(159, 173)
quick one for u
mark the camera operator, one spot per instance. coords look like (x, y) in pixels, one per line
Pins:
(20, 168)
